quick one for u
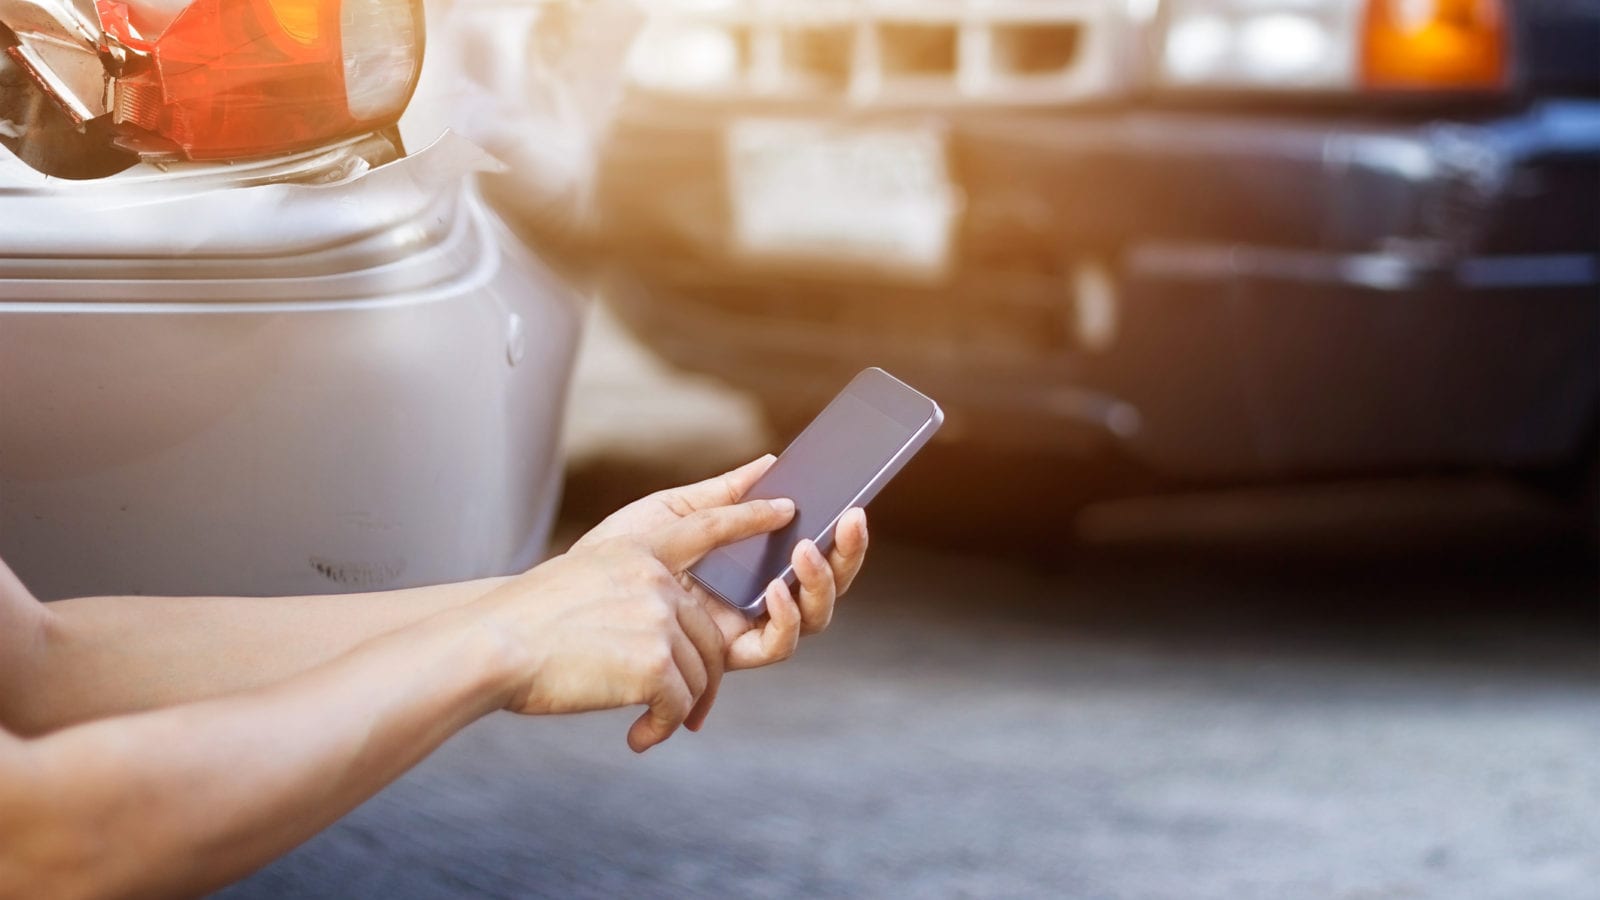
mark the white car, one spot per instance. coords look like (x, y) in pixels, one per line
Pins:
(250, 344)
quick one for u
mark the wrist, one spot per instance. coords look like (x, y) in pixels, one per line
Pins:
(507, 658)
(476, 655)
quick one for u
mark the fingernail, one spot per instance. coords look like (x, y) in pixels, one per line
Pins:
(782, 505)
(815, 555)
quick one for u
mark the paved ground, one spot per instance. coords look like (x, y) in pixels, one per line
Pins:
(1352, 692)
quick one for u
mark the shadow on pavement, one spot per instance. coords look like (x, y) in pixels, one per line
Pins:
(1425, 569)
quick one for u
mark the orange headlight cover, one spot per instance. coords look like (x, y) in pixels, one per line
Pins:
(244, 78)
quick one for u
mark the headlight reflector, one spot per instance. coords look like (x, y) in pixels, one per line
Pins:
(1259, 44)
(677, 55)
(1333, 45)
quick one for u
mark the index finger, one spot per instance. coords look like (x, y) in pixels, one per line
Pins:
(721, 490)
(682, 543)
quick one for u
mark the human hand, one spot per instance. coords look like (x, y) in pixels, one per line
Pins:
(773, 637)
(609, 624)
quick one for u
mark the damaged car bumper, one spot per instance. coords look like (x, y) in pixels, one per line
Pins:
(298, 375)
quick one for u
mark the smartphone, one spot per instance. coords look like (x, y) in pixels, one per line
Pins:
(842, 459)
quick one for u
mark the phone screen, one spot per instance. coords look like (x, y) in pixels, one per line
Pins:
(845, 451)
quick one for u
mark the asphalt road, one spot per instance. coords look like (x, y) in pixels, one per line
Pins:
(1351, 692)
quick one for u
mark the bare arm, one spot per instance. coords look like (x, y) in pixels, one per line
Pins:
(183, 799)
(76, 660)
(100, 656)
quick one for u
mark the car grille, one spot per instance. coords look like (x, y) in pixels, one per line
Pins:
(914, 52)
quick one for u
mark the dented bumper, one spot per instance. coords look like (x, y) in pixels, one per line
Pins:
(287, 388)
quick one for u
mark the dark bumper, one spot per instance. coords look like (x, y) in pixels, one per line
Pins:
(1291, 293)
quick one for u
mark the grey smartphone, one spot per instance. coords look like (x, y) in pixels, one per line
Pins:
(859, 441)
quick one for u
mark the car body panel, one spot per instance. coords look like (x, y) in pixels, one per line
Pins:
(265, 388)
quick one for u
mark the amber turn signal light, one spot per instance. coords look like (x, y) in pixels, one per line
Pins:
(1433, 45)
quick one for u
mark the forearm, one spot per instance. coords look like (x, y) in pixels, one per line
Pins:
(183, 799)
(101, 656)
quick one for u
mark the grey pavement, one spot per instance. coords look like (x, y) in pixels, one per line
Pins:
(1345, 692)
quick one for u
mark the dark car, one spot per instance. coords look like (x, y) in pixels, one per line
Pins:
(1233, 239)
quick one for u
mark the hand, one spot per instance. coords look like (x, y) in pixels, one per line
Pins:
(773, 637)
(608, 623)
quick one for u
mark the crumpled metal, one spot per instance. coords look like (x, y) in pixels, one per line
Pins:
(62, 45)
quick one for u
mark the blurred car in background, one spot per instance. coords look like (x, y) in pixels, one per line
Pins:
(1229, 239)
(258, 334)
